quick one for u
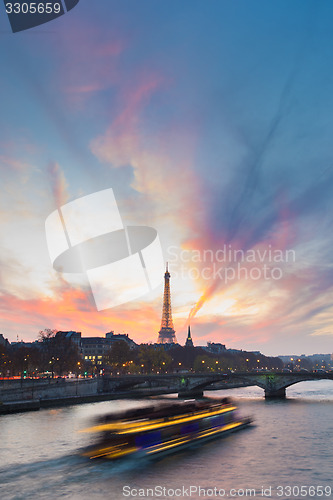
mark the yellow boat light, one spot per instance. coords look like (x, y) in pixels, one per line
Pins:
(175, 421)
(122, 427)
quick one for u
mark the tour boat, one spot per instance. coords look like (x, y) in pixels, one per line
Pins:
(163, 429)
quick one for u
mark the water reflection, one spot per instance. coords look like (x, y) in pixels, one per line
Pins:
(290, 444)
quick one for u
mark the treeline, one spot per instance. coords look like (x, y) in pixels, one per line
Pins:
(155, 359)
(50, 355)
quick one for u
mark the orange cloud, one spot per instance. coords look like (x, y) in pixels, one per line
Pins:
(72, 309)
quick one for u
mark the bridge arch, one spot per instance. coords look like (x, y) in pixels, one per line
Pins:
(194, 384)
(275, 384)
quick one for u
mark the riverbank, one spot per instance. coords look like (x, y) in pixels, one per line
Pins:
(37, 404)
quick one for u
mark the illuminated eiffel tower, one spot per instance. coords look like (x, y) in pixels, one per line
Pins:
(166, 335)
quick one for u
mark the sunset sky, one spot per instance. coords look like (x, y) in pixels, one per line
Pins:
(212, 121)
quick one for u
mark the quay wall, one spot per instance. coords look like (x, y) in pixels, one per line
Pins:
(26, 390)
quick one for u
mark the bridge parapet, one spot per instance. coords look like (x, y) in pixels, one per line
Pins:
(182, 383)
(194, 384)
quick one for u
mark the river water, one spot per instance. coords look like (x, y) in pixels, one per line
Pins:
(289, 447)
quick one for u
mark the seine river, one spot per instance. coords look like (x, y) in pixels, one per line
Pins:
(290, 446)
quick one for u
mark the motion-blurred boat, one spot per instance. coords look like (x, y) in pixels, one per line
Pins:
(163, 429)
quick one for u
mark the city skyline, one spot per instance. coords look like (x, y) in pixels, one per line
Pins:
(212, 124)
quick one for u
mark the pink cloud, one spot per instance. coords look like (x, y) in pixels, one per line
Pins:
(121, 142)
(88, 63)
(162, 160)
(59, 184)
(17, 165)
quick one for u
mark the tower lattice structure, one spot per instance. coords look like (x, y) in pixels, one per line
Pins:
(166, 335)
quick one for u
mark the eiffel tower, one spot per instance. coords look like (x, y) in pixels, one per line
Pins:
(166, 335)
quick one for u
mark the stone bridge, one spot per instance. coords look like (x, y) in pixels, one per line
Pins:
(275, 383)
(194, 384)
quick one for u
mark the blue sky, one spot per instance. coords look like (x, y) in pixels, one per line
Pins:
(212, 122)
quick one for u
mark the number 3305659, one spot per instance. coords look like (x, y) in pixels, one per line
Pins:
(33, 8)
